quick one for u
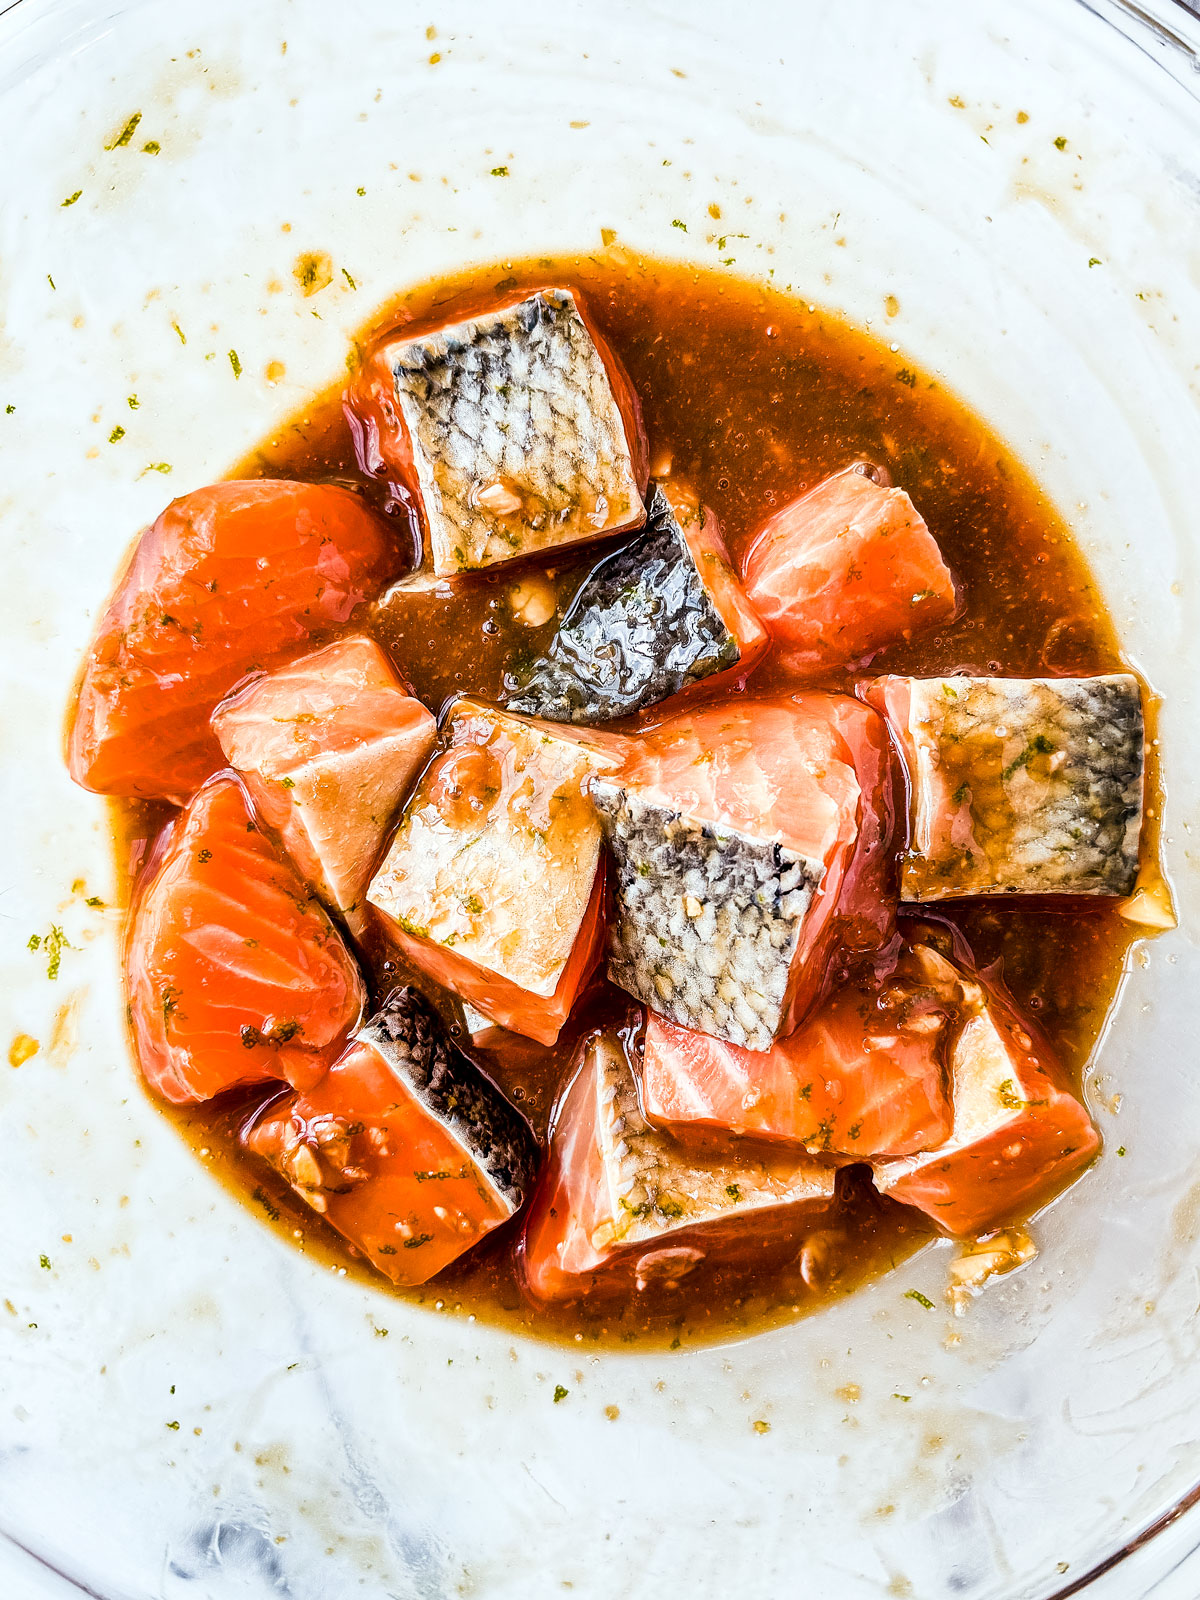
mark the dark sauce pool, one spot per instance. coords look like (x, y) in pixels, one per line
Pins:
(748, 397)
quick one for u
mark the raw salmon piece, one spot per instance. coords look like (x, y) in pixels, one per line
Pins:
(847, 568)
(750, 841)
(665, 612)
(1018, 1135)
(1018, 785)
(493, 884)
(514, 430)
(403, 1146)
(232, 578)
(621, 1205)
(235, 973)
(864, 1075)
(328, 747)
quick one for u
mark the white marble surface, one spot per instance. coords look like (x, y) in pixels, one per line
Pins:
(316, 1457)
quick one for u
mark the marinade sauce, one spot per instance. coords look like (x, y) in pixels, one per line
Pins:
(748, 396)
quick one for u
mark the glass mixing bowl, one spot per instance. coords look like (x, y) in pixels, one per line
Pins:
(1008, 192)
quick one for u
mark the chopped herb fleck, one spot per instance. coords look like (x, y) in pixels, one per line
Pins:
(417, 1240)
(236, 363)
(126, 133)
(95, 901)
(44, 1263)
(905, 1397)
(734, 1193)
(173, 1425)
(51, 282)
(907, 377)
(1095, 261)
(360, 191)
(1120, 1149)
(151, 147)
(8, 410)
(203, 856)
(117, 434)
(288, 783)
(560, 1393)
(349, 279)
(264, 1200)
(499, 172)
(921, 1299)
(180, 332)
(761, 1425)
(473, 904)
(676, 223)
(71, 198)
(1060, 143)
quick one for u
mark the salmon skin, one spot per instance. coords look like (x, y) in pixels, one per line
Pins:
(328, 747)
(493, 882)
(848, 568)
(622, 1205)
(230, 579)
(865, 1074)
(235, 973)
(515, 430)
(749, 841)
(1018, 785)
(1018, 1134)
(663, 613)
(403, 1146)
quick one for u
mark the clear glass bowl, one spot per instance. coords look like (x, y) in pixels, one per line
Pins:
(189, 1407)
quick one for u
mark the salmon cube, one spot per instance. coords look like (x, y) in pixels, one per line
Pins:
(1018, 785)
(848, 568)
(235, 974)
(652, 619)
(864, 1075)
(622, 1206)
(328, 747)
(230, 579)
(750, 842)
(515, 431)
(493, 882)
(1017, 1137)
(403, 1146)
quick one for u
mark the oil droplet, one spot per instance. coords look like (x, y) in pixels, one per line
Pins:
(24, 1046)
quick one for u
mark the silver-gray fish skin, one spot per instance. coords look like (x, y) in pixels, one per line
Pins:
(1023, 785)
(518, 442)
(641, 627)
(410, 1036)
(707, 920)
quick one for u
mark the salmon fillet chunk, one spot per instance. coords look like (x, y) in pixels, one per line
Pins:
(1018, 785)
(864, 1075)
(622, 1205)
(493, 883)
(230, 579)
(848, 568)
(403, 1146)
(1018, 1134)
(515, 431)
(328, 747)
(652, 619)
(235, 973)
(749, 840)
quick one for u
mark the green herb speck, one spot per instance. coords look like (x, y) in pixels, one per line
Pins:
(117, 433)
(349, 279)
(235, 363)
(71, 198)
(560, 1393)
(1095, 261)
(499, 172)
(44, 1263)
(1060, 143)
(921, 1299)
(173, 1425)
(126, 133)
(151, 147)
(180, 332)
(907, 377)
(676, 223)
